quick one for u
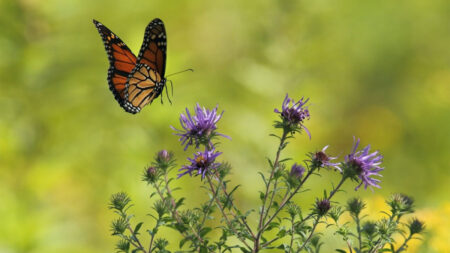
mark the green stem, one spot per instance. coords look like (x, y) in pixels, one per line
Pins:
(275, 166)
(310, 235)
(403, 246)
(358, 229)
(286, 200)
(136, 239)
(242, 220)
(151, 241)
(174, 211)
(224, 215)
(318, 218)
(263, 208)
(292, 236)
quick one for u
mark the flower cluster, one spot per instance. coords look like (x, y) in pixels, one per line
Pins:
(283, 183)
(199, 129)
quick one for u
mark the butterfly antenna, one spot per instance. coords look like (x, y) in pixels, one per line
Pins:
(167, 92)
(180, 72)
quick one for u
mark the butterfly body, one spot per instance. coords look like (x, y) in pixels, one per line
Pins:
(136, 81)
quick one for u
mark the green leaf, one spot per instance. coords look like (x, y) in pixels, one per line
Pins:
(179, 203)
(205, 231)
(270, 163)
(182, 242)
(272, 225)
(203, 249)
(138, 226)
(261, 195)
(341, 251)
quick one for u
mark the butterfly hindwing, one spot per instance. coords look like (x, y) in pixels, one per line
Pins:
(143, 86)
(122, 61)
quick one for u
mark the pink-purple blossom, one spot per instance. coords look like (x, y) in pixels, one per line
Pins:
(365, 164)
(320, 159)
(202, 163)
(294, 113)
(198, 128)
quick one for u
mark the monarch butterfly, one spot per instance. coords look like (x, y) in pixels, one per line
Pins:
(136, 82)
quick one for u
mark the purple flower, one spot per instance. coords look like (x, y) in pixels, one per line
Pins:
(199, 128)
(297, 171)
(321, 207)
(202, 163)
(320, 160)
(294, 113)
(365, 165)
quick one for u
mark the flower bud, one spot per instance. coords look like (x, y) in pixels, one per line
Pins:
(164, 156)
(416, 226)
(400, 204)
(297, 171)
(369, 228)
(322, 206)
(355, 206)
(150, 174)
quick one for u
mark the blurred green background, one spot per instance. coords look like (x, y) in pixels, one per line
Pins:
(378, 70)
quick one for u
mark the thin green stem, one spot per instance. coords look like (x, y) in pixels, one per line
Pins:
(275, 166)
(242, 220)
(292, 235)
(174, 211)
(289, 197)
(333, 192)
(310, 235)
(358, 229)
(403, 246)
(224, 215)
(151, 243)
(263, 208)
(136, 239)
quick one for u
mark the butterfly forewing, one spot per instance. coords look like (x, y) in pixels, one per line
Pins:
(154, 47)
(122, 61)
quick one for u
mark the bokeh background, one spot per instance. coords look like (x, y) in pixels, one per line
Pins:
(378, 70)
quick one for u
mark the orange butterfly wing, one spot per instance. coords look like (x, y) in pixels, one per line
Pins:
(147, 81)
(122, 61)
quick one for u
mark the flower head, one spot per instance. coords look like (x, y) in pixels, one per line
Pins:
(321, 207)
(416, 226)
(293, 114)
(320, 160)
(297, 171)
(401, 204)
(369, 228)
(364, 165)
(355, 206)
(199, 128)
(203, 162)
